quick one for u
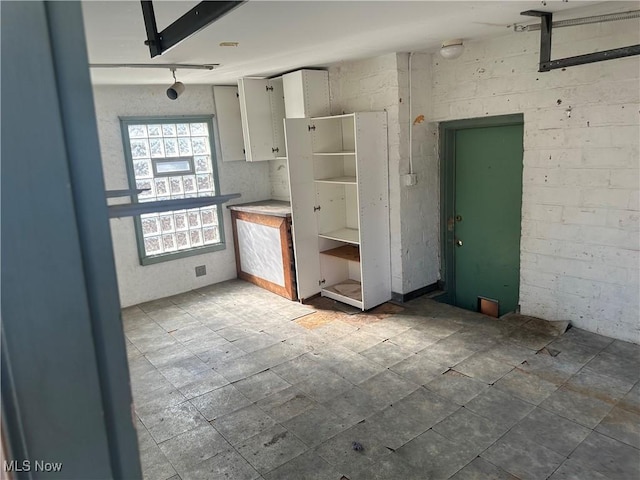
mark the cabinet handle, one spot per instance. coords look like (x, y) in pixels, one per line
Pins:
(315, 209)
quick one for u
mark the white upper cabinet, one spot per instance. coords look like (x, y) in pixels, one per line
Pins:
(262, 112)
(229, 123)
(306, 93)
(264, 103)
(338, 174)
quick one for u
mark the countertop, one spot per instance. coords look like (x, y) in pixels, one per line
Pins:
(275, 208)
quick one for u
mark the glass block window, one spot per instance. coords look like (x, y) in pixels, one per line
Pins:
(172, 158)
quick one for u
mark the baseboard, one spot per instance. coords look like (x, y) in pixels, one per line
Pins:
(405, 297)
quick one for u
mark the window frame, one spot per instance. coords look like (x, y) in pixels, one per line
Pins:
(156, 161)
(159, 120)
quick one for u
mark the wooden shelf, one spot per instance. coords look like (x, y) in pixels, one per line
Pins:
(348, 252)
(333, 154)
(347, 235)
(341, 180)
(348, 291)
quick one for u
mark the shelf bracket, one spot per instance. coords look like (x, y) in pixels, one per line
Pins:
(133, 209)
(200, 16)
(124, 193)
(546, 64)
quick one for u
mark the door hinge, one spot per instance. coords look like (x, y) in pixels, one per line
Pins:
(311, 127)
(322, 282)
(275, 150)
(269, 89)
(315, 209)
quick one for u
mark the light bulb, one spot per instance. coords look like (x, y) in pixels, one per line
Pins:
(452, 49)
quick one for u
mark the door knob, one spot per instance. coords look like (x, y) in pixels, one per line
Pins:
(458, 242)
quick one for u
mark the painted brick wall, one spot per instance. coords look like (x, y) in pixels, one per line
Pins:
(372, 85)
(382, 83)
(137, 283)
(420, 204)
(580, 218)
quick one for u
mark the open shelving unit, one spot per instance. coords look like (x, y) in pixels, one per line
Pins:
(339, 198)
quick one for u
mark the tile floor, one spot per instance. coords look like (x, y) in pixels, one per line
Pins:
(233, 382)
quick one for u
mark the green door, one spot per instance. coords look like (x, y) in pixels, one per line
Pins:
(487, 213)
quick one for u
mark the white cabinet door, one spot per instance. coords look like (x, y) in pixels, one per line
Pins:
(276, 99)
(373, 206)
(305, 228)
(255, 109)
(229, 123)
(262, 113)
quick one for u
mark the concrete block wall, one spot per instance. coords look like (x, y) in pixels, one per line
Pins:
(143, 283)
(580, 216)
(372, 85)
(382, 83)
(420, 203)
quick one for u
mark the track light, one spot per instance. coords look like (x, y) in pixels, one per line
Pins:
(452, 49)
(175, 90)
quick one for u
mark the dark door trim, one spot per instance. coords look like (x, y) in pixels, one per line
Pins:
(447, 132)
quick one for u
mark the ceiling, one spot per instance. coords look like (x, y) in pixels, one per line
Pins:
(279, 36)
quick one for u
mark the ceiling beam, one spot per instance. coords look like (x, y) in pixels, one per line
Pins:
(190, 23)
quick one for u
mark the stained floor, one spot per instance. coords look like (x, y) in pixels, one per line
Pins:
(233, 382)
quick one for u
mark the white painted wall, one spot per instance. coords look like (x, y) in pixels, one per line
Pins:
(580, 214)
(279, 180)
(580, 227)
(143, 283)
(381, 83)
(419, 204)
(372, 85)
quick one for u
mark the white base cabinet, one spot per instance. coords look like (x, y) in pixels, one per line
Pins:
(338, 175)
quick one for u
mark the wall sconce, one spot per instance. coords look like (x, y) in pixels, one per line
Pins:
(452, 49)
(175, 90)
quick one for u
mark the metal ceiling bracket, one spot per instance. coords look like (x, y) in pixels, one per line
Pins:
(546, 64)
(191, 22)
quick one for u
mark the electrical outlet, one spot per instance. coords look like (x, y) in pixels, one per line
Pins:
(410, 179)
(201, 270)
